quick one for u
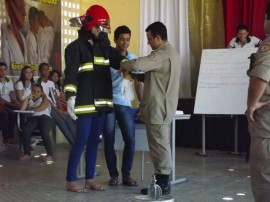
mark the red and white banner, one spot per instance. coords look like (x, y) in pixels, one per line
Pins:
(31, 34)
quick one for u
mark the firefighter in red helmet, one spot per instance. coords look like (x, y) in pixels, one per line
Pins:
(88, 88)
(95, 15)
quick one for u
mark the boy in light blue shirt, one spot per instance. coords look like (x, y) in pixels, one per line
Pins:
(122, 97)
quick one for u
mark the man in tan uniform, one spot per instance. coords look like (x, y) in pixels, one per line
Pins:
(160, 98)
(258, 114)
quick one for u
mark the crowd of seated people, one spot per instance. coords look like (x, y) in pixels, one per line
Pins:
(44, 97)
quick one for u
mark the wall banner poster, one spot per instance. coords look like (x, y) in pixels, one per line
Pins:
(31, 35)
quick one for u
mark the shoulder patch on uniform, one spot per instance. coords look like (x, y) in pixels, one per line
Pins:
(264, 48)
(152, 55)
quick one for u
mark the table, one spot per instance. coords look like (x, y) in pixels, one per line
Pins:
(142, 146)
(19, 113)
(140, 137)
(176, 118)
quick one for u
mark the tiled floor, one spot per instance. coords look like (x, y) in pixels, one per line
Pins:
(209, 179)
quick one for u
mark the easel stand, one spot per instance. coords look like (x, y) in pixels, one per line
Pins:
(235, 152)
(203, 153)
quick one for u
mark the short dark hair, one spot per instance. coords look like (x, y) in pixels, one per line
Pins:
(38, 86)
(242, 27)
(32, 13)
(42, 64)
(268, 11)
(3, 64)
(121, 30)
(158, 28)
(41, 15)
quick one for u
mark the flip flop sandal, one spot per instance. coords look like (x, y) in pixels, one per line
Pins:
(77, 189)
(96, 188)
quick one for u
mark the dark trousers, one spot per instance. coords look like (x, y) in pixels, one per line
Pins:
(67, 126)
(44, 124)
(7, 123)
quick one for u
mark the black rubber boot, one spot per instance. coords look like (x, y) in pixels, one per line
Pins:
(144, 191)
(164, 182)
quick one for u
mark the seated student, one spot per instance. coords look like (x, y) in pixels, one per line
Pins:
(8, 99)
(243, 40)
(3, 117)
(3, 124)
(40, 119)
(55, 76)
(24, 85)
(61, 119)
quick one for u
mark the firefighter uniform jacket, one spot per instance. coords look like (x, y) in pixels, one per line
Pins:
(87, 76)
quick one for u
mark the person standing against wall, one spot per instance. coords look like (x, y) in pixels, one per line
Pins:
(32, 44)
(160, 99)
(13, 48)
(45, 37)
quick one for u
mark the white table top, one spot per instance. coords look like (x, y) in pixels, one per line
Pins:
(24, 111)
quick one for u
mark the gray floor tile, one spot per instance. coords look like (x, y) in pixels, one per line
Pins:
(209, 179)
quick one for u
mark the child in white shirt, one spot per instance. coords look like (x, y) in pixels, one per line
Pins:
(40, 119)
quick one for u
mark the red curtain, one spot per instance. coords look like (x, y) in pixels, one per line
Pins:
(248, 12)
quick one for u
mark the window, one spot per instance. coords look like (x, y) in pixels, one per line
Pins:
(70, 9)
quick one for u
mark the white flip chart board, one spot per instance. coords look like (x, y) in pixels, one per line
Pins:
(223, 82)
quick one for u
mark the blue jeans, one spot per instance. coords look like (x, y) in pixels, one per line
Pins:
(67, 126)
(88, 132)
(125, 119)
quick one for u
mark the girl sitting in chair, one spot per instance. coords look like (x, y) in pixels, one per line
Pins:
(40, 119)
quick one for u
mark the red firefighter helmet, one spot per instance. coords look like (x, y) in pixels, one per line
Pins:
(96, 15)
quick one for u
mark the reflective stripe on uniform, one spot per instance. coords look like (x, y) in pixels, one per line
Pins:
(103, 102)
(70, 88)
(85, 109)
(106, 62)
(101, 61)
(86, 67)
